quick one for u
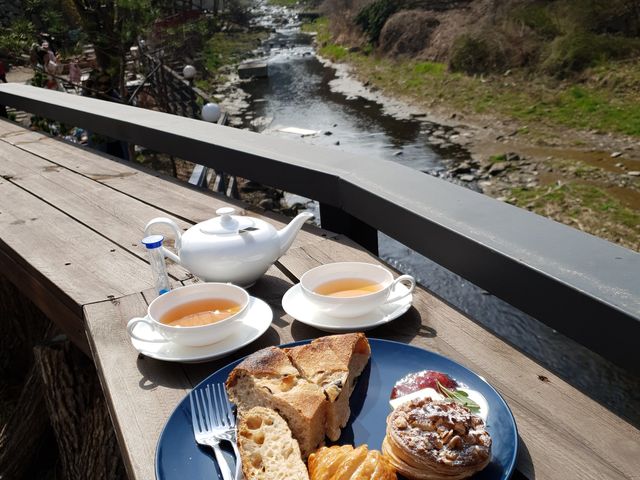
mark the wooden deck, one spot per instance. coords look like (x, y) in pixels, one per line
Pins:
(70, 228)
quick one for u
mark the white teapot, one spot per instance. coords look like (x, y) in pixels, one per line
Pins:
(230, 248)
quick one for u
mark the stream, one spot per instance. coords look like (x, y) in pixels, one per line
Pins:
(302, 92)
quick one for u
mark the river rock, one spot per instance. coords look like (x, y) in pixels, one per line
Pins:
(616, 154)
(498, 168)
(260, 123)
(464, 167)
(634, 173)
(512, 157)
(467, 177)
(328, 132)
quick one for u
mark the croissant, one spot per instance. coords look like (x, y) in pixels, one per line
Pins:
(348, 463)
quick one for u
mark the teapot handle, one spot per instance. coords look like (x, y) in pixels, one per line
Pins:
(177, 233)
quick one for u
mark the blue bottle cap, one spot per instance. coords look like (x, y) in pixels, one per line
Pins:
(153, 241)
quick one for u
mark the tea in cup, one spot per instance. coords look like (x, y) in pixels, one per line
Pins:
(351, 289)
(194, 315)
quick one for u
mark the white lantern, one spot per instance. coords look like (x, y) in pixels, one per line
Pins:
(189, 72)
(211, 112)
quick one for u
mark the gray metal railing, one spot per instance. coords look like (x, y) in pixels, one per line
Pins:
(580, 285)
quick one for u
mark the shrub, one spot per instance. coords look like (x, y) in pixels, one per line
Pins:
(537, 18)
(373, 17)
(574, 52)
(17, 38)
(473, 55)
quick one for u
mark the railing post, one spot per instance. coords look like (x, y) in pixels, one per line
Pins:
(339, 221)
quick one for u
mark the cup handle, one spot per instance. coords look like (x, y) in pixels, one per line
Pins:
(402, 278)
(134, 321)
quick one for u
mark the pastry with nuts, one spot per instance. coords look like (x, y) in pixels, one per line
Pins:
(436, 440)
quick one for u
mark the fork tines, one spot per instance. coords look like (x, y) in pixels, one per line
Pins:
(210, 408)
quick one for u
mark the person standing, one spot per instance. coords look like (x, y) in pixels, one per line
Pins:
(3, 72)
(75, 73)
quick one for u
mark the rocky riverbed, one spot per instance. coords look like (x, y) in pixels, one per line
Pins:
(585, 179)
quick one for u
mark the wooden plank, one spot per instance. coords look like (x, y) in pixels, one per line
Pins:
(8, 128)
(108, 212)
(84, 266)
(564, 432)
(46, 297)
(141, 392)
(165, 193)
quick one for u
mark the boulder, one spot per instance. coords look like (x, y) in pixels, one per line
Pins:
(498, 168)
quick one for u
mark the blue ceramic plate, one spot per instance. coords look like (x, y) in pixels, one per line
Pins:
(178, 457)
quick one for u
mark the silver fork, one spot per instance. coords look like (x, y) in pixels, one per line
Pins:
(213, 420)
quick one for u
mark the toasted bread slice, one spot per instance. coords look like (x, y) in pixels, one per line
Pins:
(267, 378)
(333, 363)
(267, 449)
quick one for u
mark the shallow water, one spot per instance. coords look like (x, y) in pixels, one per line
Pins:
(298, 93)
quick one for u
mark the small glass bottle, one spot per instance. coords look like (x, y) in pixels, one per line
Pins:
(156, 260)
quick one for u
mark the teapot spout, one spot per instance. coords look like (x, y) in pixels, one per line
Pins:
(288, 233)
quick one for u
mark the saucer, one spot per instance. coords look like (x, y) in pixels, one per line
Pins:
(296, 305)
(253, 323)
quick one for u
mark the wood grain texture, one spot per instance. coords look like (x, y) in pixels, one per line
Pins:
(141, 392)
(108, 212)
(165, 193)
(46, 296)
(85, 266)
(557, 423)
(564, 434)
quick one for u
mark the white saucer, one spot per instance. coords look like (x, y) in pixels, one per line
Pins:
(254, 322)
(296, 305)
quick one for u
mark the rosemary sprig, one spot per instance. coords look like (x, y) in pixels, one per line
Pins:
(459, 396)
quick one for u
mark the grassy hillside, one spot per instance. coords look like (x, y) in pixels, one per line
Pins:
(565, 62)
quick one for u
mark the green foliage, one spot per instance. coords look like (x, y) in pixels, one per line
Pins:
(474, 55)
(579, 200)
(334, 52)
(17, 39)
(574, 52)
(498, 158)
(283, 3)
(321, 27)
(229, 48)
(430, 68)
(538, 18)
(373, 17)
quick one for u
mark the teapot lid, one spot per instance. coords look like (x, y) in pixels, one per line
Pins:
(226, 223)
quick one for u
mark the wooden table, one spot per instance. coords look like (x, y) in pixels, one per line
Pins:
(70, 228)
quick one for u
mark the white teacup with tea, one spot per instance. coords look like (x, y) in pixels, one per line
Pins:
(194, 315)
(352, 289)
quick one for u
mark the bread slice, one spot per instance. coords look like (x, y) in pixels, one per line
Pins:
(267, 448)
(334, 364)
(267, 378)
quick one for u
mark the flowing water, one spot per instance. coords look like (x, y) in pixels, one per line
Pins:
(299, 92)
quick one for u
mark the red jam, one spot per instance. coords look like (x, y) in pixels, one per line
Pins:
(419, 380)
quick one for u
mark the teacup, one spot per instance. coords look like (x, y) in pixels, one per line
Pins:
(193, 336)
(365, 287)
